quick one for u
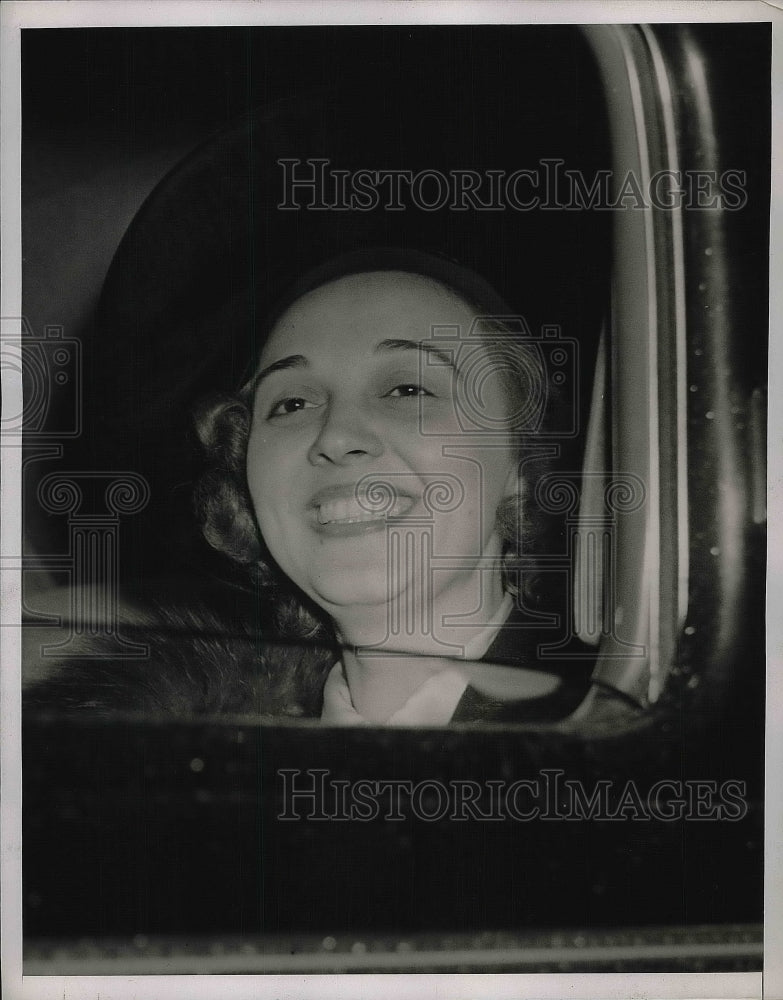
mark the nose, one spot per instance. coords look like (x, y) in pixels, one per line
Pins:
(345, 436)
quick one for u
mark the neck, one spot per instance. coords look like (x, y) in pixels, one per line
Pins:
(392, 649)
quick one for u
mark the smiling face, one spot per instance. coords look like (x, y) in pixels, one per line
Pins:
(354, 408)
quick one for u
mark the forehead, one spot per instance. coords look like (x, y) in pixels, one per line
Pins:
(363, 309)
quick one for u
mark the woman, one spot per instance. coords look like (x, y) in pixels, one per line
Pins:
(373, 474)
(373, 460)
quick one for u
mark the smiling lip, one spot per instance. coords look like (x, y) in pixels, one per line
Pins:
(339, 510)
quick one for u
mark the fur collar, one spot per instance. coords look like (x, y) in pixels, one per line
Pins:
(198, 664)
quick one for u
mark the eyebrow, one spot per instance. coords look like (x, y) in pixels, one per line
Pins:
(445, 357)
(292, 361)
(300, 361)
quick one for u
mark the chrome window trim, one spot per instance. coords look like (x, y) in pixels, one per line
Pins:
(648, 312)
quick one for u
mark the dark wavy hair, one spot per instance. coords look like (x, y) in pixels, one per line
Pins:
(222, 499)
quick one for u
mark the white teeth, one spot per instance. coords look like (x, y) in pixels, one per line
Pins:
(348, 510)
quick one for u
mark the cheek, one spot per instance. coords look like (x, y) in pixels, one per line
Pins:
(267, 479)
(502, 476)
(492, 472)
(499, 480)
(483, 477)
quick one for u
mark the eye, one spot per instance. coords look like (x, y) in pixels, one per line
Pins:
(289, 405)
(408, 391)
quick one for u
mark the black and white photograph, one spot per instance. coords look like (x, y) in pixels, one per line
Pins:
(385, 569)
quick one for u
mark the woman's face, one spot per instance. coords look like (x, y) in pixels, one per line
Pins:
(355, 391)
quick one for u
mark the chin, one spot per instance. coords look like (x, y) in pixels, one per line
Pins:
(354, 586)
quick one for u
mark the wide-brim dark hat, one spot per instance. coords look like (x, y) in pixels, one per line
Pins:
(185, 304)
